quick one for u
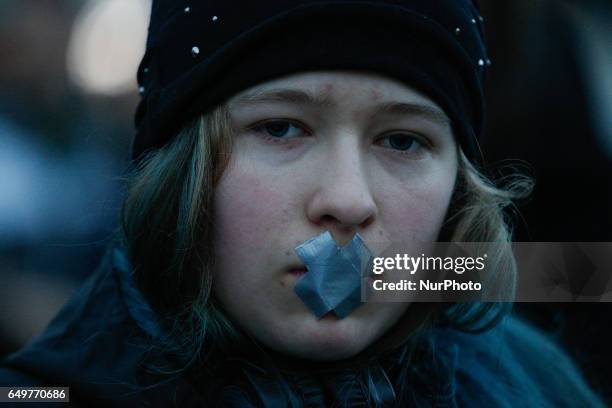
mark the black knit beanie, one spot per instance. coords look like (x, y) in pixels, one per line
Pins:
(200, 53)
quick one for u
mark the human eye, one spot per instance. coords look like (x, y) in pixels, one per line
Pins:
(279, 130)
(407, 144)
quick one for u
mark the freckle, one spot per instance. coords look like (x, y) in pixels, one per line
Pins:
(287, 252)
(282, 283)
(285, 217)
(380, 232)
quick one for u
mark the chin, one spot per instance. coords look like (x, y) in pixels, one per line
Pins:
(328, 339)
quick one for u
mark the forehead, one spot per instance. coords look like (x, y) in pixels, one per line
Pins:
(339, 88)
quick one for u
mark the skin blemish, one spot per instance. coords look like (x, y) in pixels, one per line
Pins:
(376, 96)
(285, 217)
(328, 88)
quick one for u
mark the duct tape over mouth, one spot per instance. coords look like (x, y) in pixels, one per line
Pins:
(334, 277)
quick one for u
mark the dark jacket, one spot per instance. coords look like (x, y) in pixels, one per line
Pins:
(100, 346)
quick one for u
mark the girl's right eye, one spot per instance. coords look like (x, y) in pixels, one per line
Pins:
(279, 130)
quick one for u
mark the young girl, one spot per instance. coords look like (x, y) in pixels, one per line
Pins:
(267, 133)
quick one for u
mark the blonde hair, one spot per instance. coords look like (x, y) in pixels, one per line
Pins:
(167, 218)
(478, 215)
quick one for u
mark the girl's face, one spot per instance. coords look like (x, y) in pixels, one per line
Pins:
(339, 151)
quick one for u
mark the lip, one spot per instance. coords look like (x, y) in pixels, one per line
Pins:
(297, 270)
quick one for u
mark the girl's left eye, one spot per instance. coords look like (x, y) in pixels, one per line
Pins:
(280, 129)
(402, 142)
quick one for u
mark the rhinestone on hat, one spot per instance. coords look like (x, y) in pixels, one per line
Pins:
(489, 62)
(195, 51)
(473, 21)
(481, 63)
(146, 70)
(481, 18)
(141, 90)
(215, 18)
(187, 9)
(457, 31)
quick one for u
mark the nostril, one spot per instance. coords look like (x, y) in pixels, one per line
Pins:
(333, 223)
(367, 222)
(342, 231)
(328, 219)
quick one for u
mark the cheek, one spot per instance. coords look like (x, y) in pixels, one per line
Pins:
(250, 209)
(245, 212)
(416, 212)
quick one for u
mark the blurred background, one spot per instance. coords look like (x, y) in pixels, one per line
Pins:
(68, 93)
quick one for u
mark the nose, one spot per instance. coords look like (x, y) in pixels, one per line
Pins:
(342, 202)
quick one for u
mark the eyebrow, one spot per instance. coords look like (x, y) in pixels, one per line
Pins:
(284, 95)
(299, 97)
(415, 109)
